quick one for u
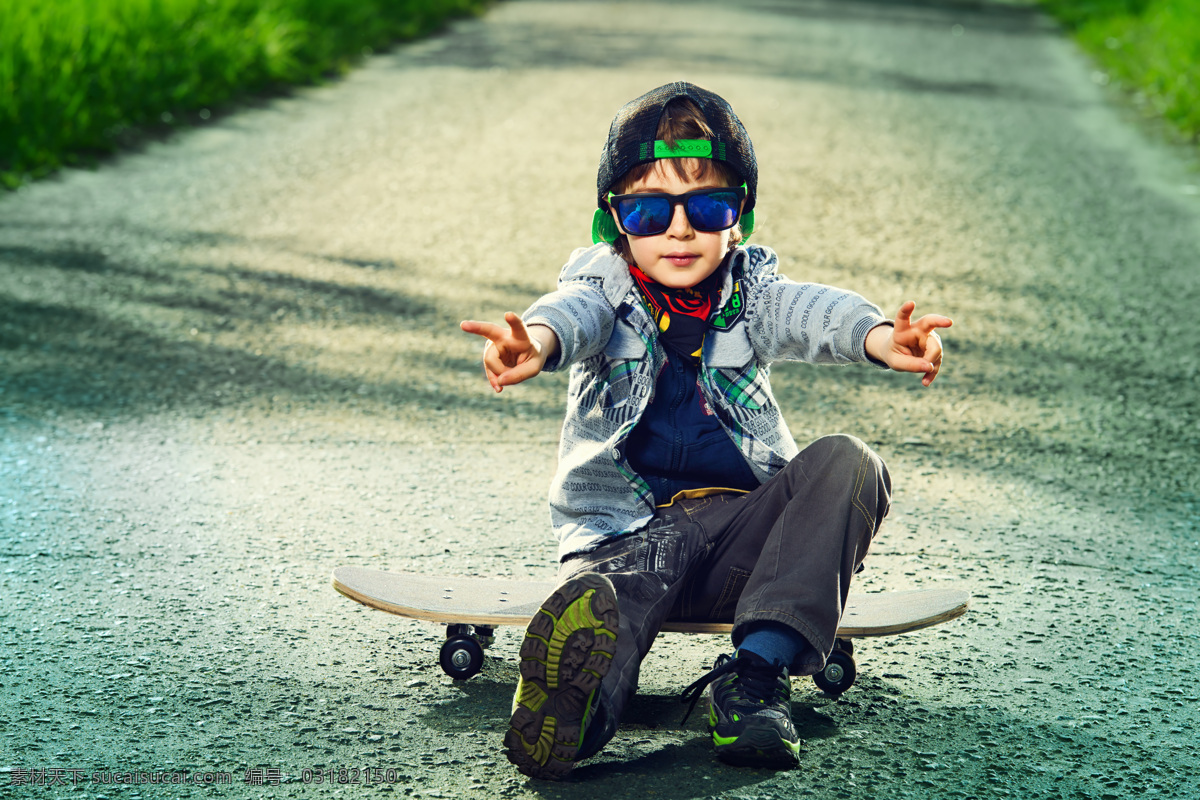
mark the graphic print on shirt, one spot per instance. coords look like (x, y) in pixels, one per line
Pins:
(728, 316)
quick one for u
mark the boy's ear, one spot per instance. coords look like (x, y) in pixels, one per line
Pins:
(604, 227)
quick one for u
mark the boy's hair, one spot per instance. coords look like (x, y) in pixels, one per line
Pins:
(681, 119)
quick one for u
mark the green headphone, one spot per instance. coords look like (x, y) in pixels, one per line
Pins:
(604, 227)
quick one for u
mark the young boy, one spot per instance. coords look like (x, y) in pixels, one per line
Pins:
(679, 491)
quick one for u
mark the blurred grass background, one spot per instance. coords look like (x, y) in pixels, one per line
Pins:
(1151, 48)
(77, 76)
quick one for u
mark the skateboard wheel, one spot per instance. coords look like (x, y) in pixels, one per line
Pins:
(461, 657)
(838, 675)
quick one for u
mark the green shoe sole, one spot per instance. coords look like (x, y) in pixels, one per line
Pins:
(566, 653)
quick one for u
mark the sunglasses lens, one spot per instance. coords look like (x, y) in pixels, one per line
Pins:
(644, 216)
(714, 211)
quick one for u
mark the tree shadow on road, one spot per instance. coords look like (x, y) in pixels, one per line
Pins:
(85, 331)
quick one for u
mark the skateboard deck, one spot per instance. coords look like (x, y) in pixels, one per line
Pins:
(472, 607)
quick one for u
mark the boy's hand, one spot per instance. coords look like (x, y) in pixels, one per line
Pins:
(512, 354)
(910, 346)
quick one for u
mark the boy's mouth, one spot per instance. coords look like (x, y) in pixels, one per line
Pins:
(681, 259)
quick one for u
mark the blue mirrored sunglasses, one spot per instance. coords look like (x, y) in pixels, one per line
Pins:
(650, 214)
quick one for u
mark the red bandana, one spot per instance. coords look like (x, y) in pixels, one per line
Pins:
(681, 314)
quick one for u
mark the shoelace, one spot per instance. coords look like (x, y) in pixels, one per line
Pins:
(758, 681)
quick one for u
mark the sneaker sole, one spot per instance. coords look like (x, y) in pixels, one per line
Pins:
(567, 650)
(759, 747)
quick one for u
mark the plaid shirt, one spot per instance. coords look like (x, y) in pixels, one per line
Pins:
(609, 340)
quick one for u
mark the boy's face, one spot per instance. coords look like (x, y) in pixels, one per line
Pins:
(681, 256)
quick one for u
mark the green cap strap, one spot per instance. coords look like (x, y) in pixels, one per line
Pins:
(684, 148)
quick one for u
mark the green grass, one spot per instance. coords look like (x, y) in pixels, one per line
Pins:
(77, 75)
(1149, 47)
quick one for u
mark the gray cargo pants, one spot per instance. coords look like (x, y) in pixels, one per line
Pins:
(785, 552)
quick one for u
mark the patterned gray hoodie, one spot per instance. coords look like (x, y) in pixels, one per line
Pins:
(610, 341)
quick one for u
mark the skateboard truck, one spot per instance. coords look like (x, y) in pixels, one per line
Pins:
(461, 656)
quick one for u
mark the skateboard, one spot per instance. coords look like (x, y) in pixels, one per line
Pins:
(472, 608)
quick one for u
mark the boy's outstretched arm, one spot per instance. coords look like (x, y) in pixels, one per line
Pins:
(514, 353)
(910, 346)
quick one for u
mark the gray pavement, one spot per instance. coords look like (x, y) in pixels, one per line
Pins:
(230, 362)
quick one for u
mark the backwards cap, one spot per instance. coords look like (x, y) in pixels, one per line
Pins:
(631, 138)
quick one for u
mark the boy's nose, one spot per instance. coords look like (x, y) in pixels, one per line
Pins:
(681, 226)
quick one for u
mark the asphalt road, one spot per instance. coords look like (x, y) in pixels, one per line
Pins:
(230, 362)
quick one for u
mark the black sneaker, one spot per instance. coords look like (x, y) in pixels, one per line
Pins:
(749, 711)
(567, 651)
